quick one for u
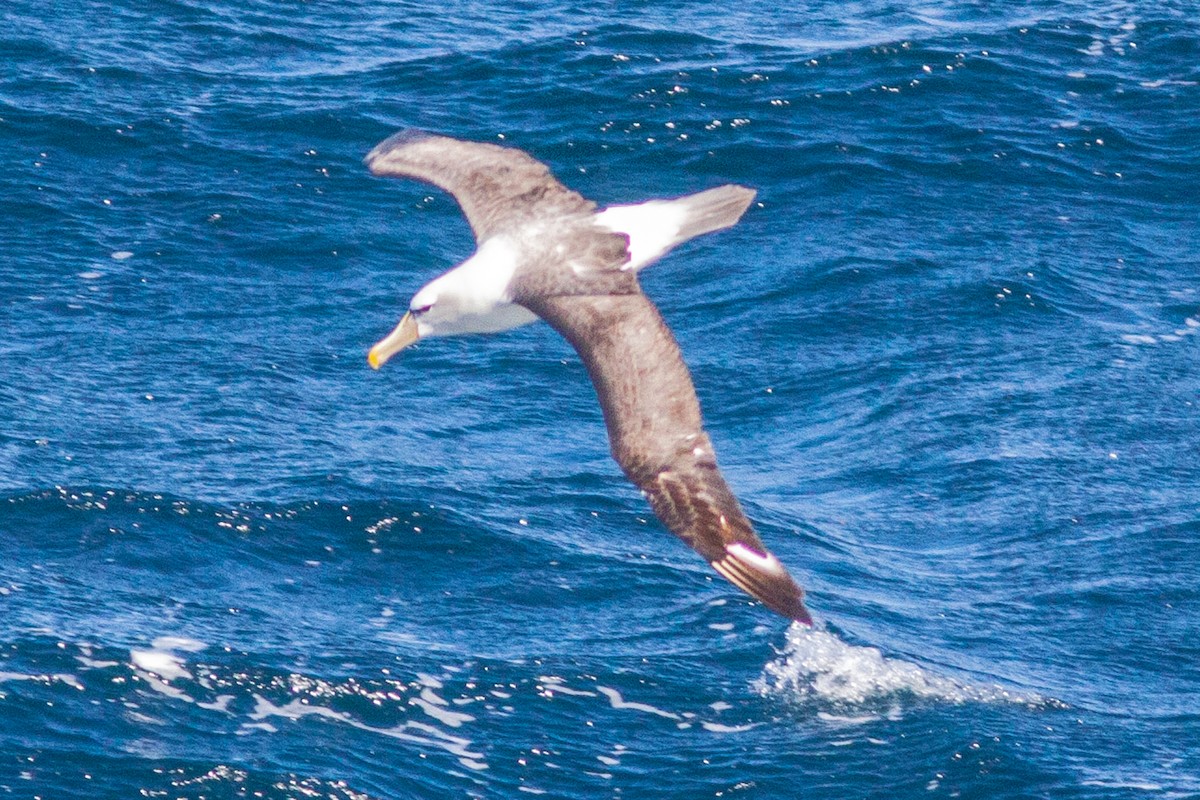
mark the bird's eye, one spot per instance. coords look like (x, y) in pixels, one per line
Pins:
(418, 310)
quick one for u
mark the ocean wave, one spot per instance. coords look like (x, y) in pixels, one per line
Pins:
(856, 683)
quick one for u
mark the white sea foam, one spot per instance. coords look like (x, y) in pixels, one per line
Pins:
(165, 671)
(717, 727)
(819, 667)
(160, 663)
(413, 732)
(617, 701)
(435, 706)
(184, 643)
(550, 685)
(62, 677)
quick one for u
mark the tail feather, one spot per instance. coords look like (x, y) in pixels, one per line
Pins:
(712, 210)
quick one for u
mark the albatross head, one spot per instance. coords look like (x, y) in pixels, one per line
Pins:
(471, 298)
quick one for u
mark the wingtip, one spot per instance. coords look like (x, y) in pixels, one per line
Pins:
(802, 616)
(401, 138)
(791, 607)
(763, 576)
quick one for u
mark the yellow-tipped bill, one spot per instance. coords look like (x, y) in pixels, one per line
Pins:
(400, 338)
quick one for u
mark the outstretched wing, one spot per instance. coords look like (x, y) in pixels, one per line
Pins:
(657, 436)
(698, 507)
(496, 187)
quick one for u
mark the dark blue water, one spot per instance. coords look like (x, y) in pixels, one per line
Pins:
(950, 364)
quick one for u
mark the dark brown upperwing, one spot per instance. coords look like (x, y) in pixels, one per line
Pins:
(657, 436)
(496, 187)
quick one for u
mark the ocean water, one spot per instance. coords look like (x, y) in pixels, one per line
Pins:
(950, 363)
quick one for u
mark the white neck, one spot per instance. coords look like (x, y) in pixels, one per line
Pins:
(474, 297)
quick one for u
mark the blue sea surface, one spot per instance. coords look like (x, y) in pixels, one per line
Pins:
(950, 362)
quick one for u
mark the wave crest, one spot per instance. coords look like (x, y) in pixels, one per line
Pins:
(819, 668)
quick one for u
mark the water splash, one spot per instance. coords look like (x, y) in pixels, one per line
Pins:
(817, 667)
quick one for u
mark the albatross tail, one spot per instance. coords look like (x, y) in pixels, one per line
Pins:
(654, 227)
(712, 210)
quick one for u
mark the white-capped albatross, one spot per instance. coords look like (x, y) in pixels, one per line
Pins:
(546, 252)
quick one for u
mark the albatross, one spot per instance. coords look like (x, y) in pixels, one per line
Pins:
(545, 252)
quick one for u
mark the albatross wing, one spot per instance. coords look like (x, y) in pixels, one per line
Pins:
(577, 269)
(498, 188)
(657, 436)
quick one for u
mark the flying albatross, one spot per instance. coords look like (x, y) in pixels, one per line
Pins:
(544, 251)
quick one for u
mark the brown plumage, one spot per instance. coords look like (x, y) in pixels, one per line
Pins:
(575, 268)
(657, 437)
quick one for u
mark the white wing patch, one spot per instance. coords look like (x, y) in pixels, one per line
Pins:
(767, 563)
(652, 227)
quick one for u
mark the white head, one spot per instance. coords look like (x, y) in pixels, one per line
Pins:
(471, 298)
